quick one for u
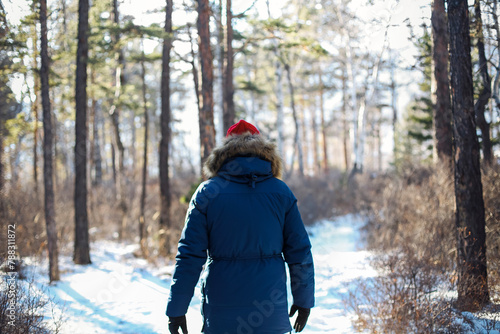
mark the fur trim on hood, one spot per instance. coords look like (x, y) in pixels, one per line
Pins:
(244, 145)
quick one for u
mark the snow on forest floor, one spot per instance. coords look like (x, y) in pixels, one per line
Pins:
(119, 293)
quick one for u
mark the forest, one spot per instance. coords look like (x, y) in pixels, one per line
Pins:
(384, 109)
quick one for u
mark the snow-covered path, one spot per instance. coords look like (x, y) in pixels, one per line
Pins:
(337, 261)
(119, 293)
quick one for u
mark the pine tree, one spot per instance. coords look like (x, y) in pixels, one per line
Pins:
(48, 173)
(440, 85)
(206, 119)
(470, 219)
(165, 201)
(420, 115)
(81, 250)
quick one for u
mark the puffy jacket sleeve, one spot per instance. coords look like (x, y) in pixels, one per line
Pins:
(191, 255)
(297, 253)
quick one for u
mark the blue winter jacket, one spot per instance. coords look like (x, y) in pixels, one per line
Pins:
(245, 221)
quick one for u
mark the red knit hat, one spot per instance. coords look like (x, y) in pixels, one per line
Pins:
(242, 127)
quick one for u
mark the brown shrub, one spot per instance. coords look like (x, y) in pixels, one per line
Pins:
(322, 196)
(412, 233)
(22, 309)
(22, 209)
(491, 191)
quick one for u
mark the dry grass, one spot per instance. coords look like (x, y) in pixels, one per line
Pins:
(323, 196)
(22, 208)
(412, 233)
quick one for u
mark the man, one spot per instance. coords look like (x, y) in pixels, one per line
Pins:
(246, 220)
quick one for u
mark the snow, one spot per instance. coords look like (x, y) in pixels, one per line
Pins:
(120, 293)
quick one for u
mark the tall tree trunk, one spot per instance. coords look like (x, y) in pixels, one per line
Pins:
(132, 148)
(323, 124)
(280, 122)
(207, 129)
(304, 140)
(165, 219)
(496, 82)
(361, 126)
(97, 146)
(365, 104)
(278, 74)
(93, 107)
(115, 117)
(196, 74)
(81, 252)
(229, 112)
(34, 106)
(470, 220)
(56, 138)
(441, 92)
(352, 78)
(220, 56)
(485, 94)
(394, 107)
(314, 141)
(379, 142)
(142, 218)
(48, 172)
(297, 139)
(345, 121)
(113, 162)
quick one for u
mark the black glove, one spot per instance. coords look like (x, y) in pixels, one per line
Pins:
(301, 320)
(174, 323)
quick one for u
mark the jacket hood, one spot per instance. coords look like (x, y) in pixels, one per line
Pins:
(245, 145)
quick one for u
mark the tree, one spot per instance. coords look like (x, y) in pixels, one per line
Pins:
(219, 55)
(81, 252)
(119, 74)
(48, 173)
(345, 117)
(9, 107)
(165, 224)
(496, 82)
(321, 93)
(278, 74)
(229, 113)
(34, 105)
(142, 218)
(419, 118)
(470, 219)
(485, 94)
(206, 118)
(440, 85)
(297, 138)
(194, 70)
